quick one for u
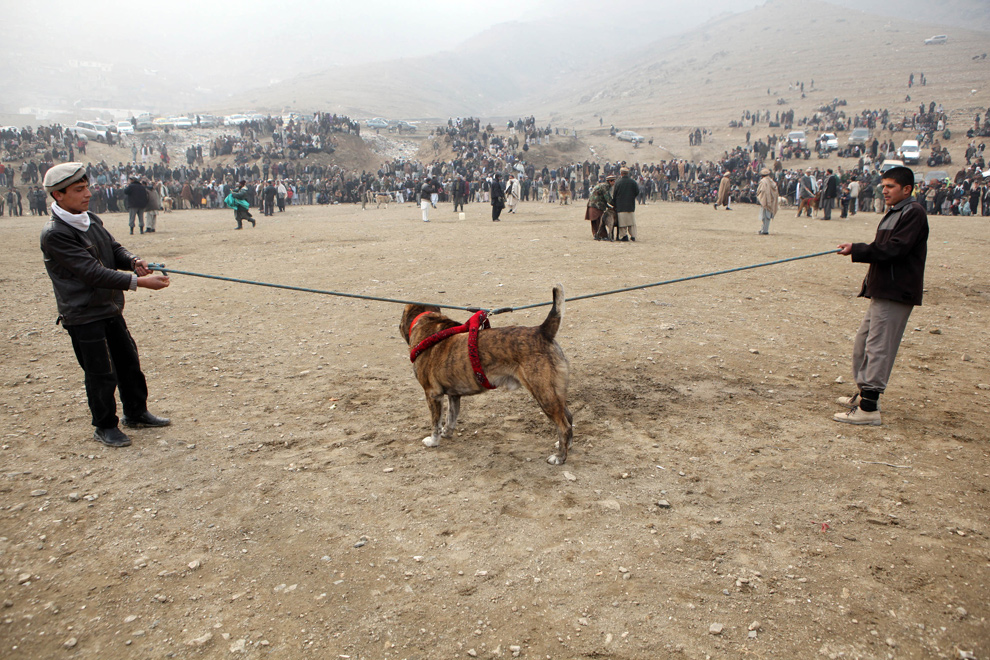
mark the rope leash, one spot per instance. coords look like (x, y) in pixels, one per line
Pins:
(502, 310)
(165, 271)
(491, 312)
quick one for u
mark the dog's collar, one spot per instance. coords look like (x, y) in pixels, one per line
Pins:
(477, 322)
(416, 320)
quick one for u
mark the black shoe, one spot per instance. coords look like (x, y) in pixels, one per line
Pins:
(132, 230)
(237, 227)
(253, 223)
(112, 437)
(146, 419)
(624, 239)
(632, 238)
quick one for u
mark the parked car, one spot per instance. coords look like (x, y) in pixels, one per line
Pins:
(629, 136)
(799, 138)
(829, 141)
(936, 175)
(144, 122)
(207, 121)
(403, 126)
(377, 122)
(236, 120)
(910, 152)
(182, 122)
(90, 130)
(937, 40)
(125, 127)
(890, 164)
(859, 137)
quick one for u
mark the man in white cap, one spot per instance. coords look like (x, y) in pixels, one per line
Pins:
(84, 263)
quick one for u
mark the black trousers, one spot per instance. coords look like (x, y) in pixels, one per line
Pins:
(109, 358)
(497, 211)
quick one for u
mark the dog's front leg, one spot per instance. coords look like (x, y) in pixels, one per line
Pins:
(436, 418)
(453, 410)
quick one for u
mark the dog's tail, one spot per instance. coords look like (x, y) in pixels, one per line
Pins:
(550, 326)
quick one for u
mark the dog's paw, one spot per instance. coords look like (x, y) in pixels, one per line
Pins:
(429, 441)
(554, 459)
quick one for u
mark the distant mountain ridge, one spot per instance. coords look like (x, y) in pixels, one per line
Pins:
(577, 70)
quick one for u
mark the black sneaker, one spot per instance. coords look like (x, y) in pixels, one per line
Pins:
(146, 419)
(112, 437)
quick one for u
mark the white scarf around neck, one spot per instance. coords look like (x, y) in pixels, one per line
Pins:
(78, 220)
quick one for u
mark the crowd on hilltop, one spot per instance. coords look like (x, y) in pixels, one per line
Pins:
(468, 153)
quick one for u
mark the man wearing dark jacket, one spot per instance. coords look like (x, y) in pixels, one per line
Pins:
(137, 200)
(84, 262)
(830, 191)
(624, 196)
(498, 198)
(894, 284)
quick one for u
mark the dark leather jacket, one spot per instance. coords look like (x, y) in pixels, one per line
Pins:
(897, 255)
(85, 270)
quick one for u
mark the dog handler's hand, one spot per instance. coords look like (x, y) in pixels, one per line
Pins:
(154, 281)
(845, 248)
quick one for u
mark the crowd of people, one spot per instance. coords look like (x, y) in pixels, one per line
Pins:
(270, 154)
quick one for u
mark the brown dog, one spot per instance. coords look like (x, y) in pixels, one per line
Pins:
(510, 357)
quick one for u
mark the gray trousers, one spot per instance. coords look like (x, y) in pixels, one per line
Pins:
(877, 341)
(765, 217)
(132, 213)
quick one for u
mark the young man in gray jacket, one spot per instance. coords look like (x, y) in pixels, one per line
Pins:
(84, 263)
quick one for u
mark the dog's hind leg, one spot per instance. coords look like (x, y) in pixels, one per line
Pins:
(436, 418)
(453, 410)
(553, 402)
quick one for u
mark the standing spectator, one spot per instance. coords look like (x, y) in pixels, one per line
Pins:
(769, 199)
(268, 198)
(724, 188)
(807, 189)
(154, 206)
(894, 284)
(498, 197)
(854, 191)
(830, 191)
(136, 196)
(425, 193)
(459, 191)
(624, 195)
(512, 193)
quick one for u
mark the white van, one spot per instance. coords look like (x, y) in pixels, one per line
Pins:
(910, 152)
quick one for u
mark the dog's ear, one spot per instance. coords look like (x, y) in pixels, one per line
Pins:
(405, 321)
(409, 315)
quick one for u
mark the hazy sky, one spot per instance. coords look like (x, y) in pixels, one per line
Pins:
(302, 32)
(218, 48)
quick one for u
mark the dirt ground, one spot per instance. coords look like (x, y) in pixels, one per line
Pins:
(709, 506)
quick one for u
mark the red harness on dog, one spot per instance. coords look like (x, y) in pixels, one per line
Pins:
(475, 323)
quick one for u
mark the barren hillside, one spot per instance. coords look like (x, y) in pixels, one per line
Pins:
(711, 75)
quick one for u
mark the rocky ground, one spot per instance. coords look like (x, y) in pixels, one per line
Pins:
(709, 507)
